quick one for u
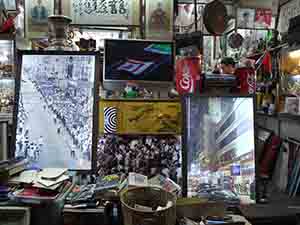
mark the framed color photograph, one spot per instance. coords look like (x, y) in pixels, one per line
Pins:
(220, 149)
(245, 18)
(104, 12)
(36, 17)
(9, 5)
(159, 22)
(55, 97)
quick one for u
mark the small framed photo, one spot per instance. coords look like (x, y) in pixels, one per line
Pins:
(9, 5)
(104, 12)
(292, 105)
(245, 18)
(263, 18)
(159, 24)
(36, 17)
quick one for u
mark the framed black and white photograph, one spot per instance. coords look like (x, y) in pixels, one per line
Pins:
(245, 18)
(36, 16)
(104, 12)
(159, 24)
(56, 109)
(9, 5)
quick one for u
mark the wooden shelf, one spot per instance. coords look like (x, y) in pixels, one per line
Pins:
(260, 113)
(287, 116)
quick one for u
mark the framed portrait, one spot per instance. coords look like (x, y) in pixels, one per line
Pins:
(104, 12)
(9, 5)
(36, 17)
(245, 18)
(52, 88)
(159, 22)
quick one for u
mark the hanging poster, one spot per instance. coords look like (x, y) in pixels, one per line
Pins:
(159, 22)
(36, 13)
(263, 18)
(102, 12)
(136, 117)
(245, 18)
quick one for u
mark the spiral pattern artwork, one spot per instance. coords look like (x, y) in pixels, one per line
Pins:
(110, 120)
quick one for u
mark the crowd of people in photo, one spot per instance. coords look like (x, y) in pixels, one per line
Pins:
(149, 155)
(25, 147)
(70, 108)
(6, 100)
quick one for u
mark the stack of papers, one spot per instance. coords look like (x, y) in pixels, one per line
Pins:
(49, 178)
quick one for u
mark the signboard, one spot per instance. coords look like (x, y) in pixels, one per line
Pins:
(102, 12)
(288, 11)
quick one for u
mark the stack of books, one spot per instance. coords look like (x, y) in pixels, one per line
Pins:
(37, 186)
(10, 168)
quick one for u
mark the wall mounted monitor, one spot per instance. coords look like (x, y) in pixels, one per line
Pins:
(56, 107)
(220, 146)
(145, 62)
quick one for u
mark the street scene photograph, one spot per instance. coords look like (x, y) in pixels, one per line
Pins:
(55, 111)
(221, 162)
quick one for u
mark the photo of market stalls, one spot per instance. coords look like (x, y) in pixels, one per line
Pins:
(220, 138)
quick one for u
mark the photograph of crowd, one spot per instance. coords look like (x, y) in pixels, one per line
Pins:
(7, 95)
(147, 155)
(220, 142)
(6, 59)
(55, 111)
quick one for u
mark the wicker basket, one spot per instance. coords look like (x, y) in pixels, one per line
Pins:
(150, 197)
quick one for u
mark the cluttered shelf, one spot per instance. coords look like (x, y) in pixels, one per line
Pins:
(280, 116)
(261, 113)
(288, 116)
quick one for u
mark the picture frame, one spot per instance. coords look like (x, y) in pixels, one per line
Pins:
(292, 105)
(158, 25)
(36, 21)
(10, 5)
(188, 156)
(83, 161)
(107, 13)
(245, 18)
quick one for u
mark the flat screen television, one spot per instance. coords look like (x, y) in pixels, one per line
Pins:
(56, 109)
(219, 138)
(141, 61)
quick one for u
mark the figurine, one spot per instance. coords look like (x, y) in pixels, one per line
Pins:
(131, 90)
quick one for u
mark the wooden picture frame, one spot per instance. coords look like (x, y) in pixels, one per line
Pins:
(158, 25)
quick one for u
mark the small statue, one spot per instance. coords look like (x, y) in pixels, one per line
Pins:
(131, 90)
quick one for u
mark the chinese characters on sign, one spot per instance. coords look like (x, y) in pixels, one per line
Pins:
(110, 12)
